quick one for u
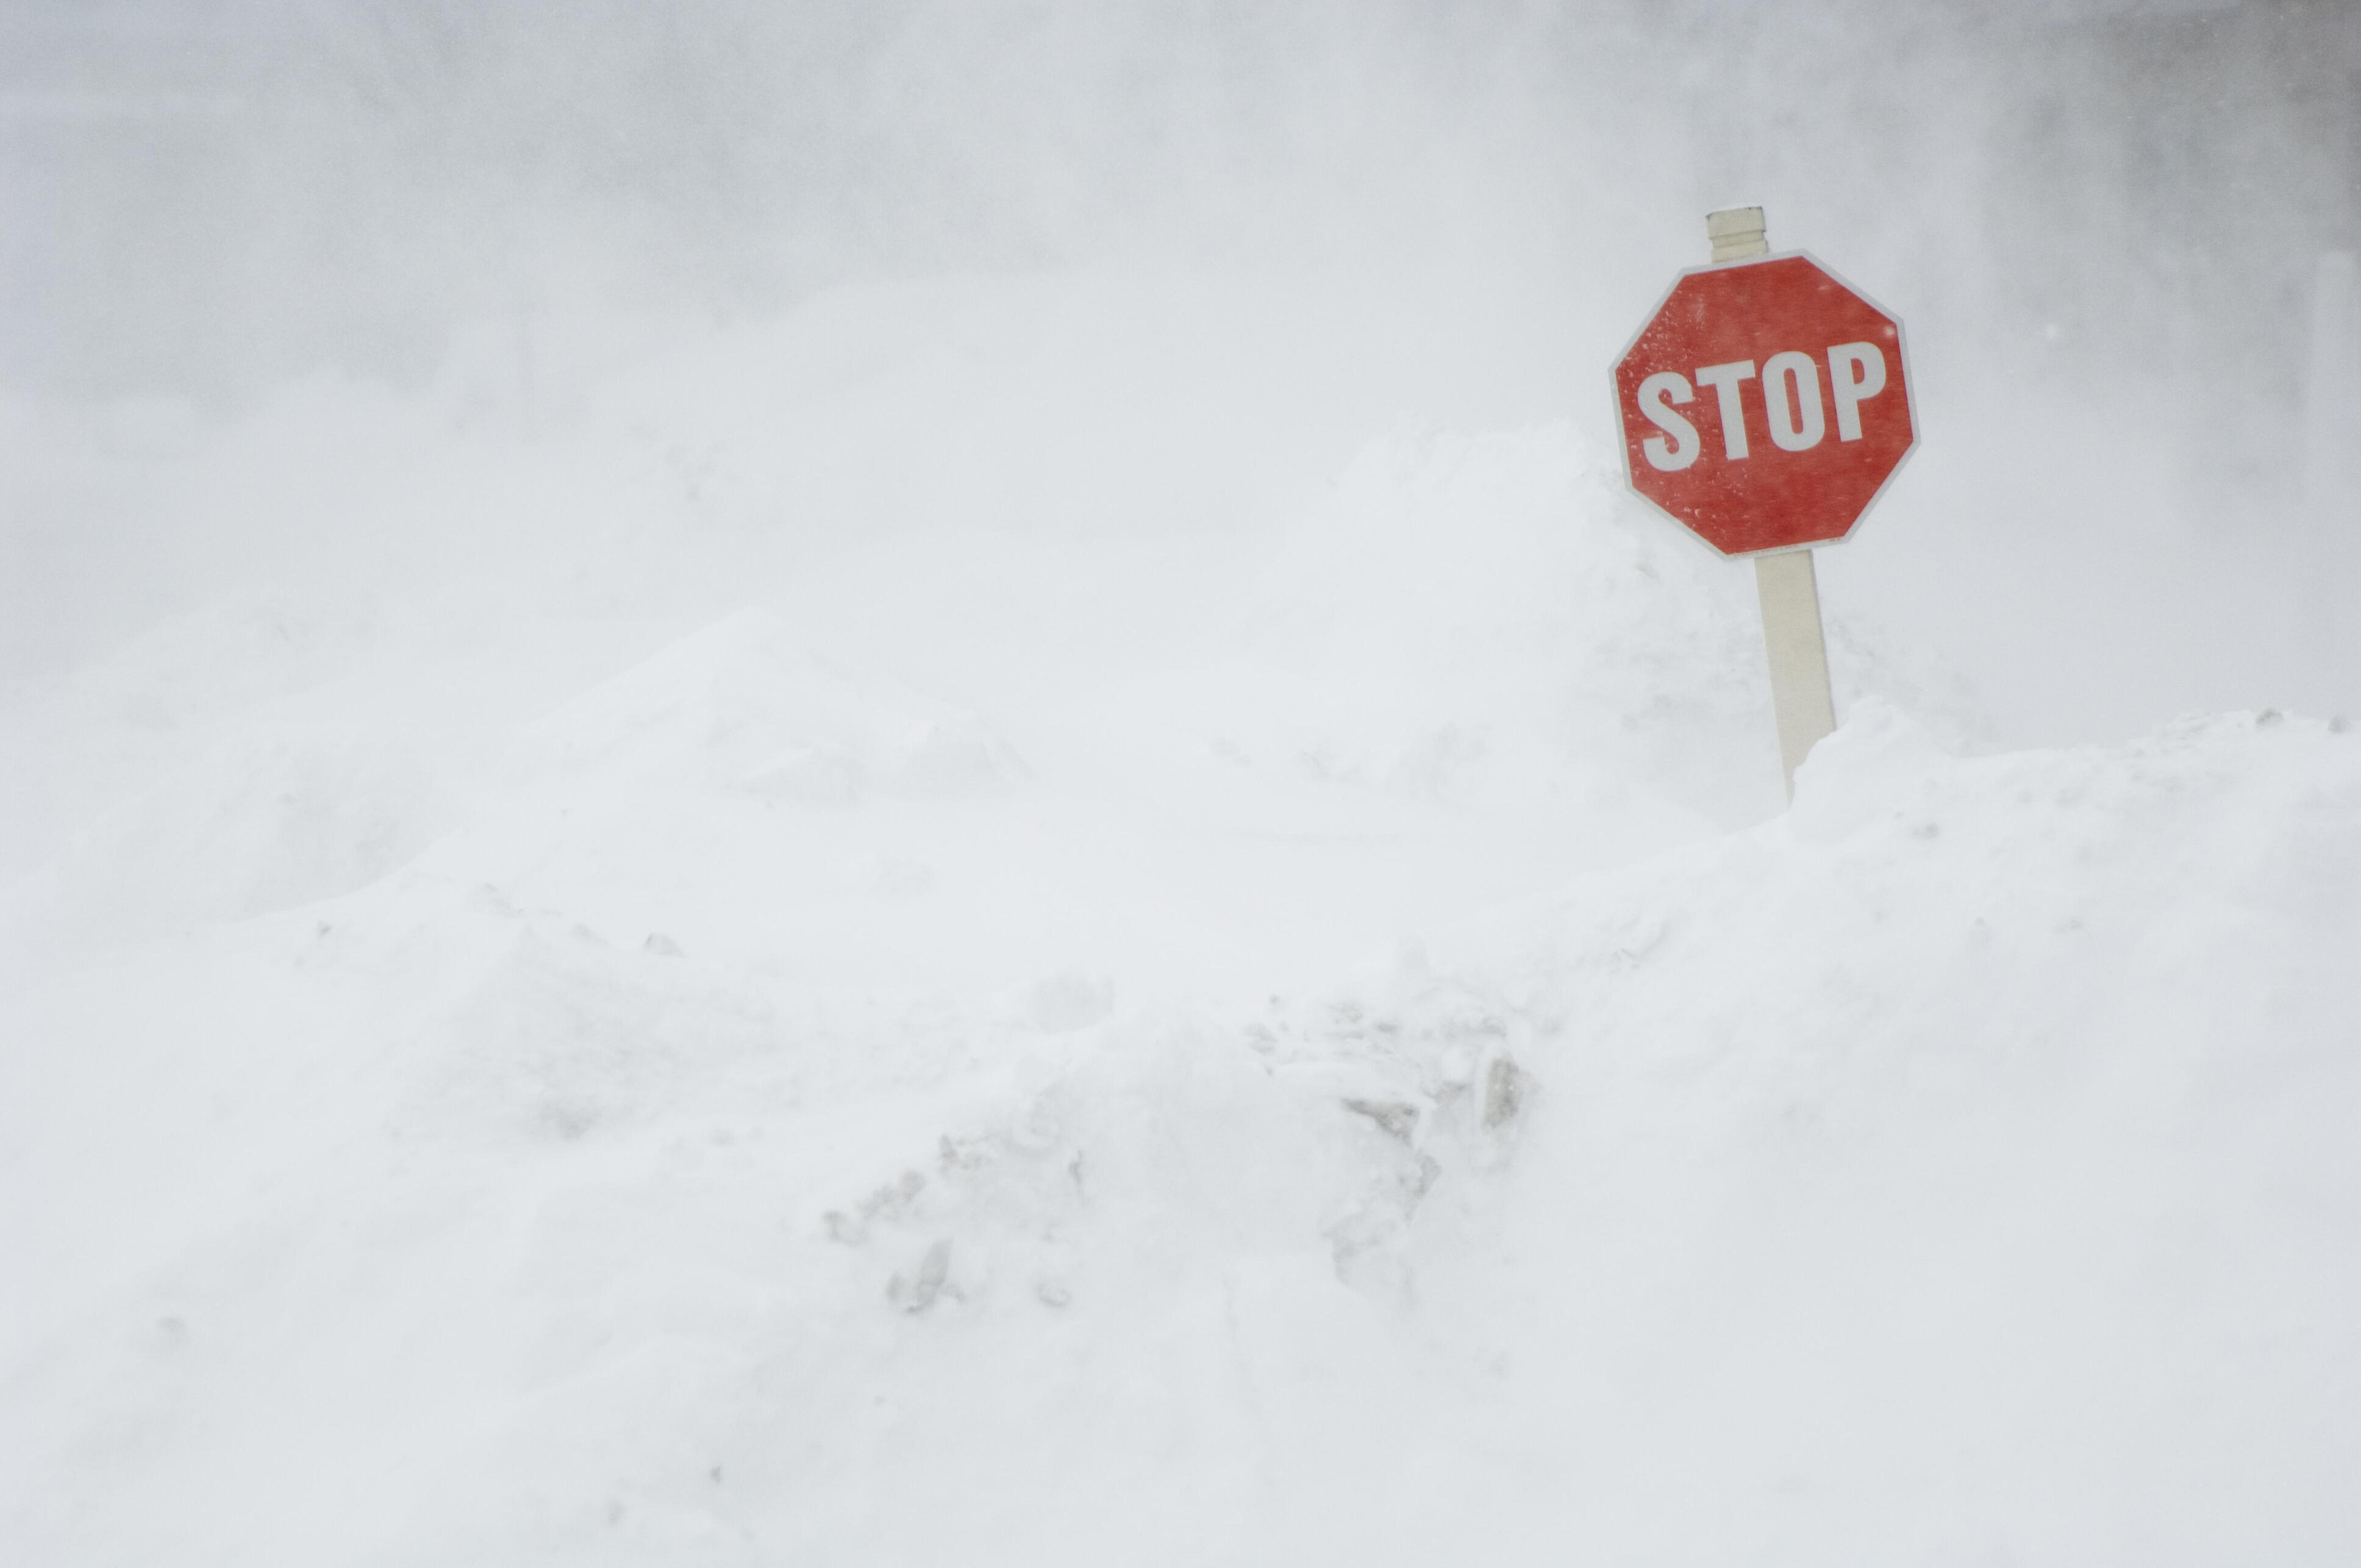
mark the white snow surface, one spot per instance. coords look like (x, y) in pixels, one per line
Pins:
(761, 1017)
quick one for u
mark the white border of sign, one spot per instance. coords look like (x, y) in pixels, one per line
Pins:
(1909, 379)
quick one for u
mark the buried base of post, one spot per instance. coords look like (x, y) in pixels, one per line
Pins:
(1799, 656)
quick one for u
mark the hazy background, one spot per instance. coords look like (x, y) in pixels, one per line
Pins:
(2106, 225)
(903, 782)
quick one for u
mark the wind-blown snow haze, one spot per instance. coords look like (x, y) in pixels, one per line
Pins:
(861, 782)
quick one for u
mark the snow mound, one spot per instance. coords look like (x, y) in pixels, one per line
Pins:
(107, 731)
(1957, 1170)
(1490, 619)
(275, 816)
(741, 706)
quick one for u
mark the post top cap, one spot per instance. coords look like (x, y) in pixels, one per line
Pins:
(1732, 221)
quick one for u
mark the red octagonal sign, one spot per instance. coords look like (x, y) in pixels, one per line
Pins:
(1764, 404)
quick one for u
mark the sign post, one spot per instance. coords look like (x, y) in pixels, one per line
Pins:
(1809, 418)
(1801, 698)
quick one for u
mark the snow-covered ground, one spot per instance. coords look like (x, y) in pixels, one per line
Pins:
(963, 928)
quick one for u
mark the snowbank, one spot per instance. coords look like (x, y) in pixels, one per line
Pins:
(1491, 621)
(1956, 1170)
(600, 1030)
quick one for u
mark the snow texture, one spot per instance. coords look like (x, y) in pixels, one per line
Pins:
(1018, 1044)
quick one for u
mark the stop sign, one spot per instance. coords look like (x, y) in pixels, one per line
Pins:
(1764, 404)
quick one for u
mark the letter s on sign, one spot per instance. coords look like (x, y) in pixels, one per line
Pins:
(1654, 392)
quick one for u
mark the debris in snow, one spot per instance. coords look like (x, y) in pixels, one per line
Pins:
(888, 1202)
(1396, 1118)
(934, 1270)
(1504, 1092)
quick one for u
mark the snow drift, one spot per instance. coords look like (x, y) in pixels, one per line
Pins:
(1954, 1171)
(1289, 1045)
